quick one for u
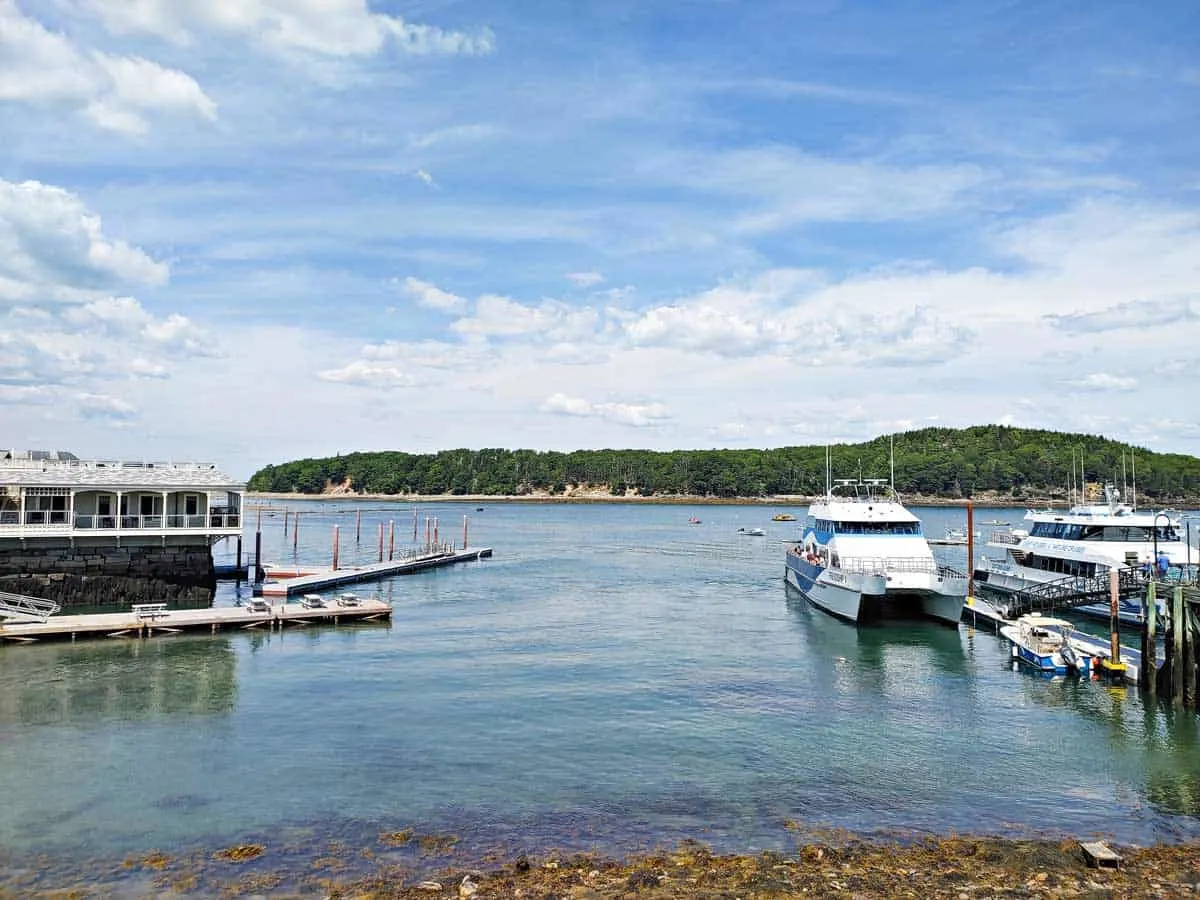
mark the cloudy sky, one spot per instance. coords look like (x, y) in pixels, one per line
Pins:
(254, 230)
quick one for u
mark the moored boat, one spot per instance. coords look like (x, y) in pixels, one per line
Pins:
(783, 517)
(756, 532)
(1044, 644)
(864, 557)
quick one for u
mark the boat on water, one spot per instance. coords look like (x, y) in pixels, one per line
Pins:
(693, 521)
(783, 517)
(863, 557)
(1045, 645)
(757, 532)
(1086, 541)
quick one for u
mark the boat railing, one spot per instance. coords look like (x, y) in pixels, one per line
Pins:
(883, 565)
(1004, 536)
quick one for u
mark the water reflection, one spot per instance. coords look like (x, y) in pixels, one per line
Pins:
(900, 650)
(122, 680)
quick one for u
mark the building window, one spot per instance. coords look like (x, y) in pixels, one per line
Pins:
(147, 503)
(191, 505)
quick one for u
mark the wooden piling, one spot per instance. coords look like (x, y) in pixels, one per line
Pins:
(358, 526)
(414, 524)
(970, 549)
(285, 522)
(258, 568)
(1114, 597)
(1148, 678)
(464, 546)
(1191, 657)
(435, 530)
(381, 541)
(295, 531)
(239, 556)
(1178, 630)
(336, 546)
(391, 539)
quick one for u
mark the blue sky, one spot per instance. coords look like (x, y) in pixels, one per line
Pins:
(254, 230)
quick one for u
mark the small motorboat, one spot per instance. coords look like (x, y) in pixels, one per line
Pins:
(1044, 644)
(349, 600)
(783, 517)
(693, 521)
(757, 532)
(312, 601)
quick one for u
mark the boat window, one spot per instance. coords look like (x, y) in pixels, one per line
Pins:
(877, 527)
(1042, 529)
(1167, 533)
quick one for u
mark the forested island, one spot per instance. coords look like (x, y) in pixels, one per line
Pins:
(987, 462)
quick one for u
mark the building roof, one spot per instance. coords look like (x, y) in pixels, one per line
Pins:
(112, 474)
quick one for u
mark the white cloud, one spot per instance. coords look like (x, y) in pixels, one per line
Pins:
(44, 68)
(585, 279)
(49, 238)
(363, 374)
(423, 176)
(453, 134)
(497, 316)
(327, 27)
(1102, 381)
(432, 297)
(103, 407)
(637, 415)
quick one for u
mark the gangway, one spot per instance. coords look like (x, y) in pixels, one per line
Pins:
(19, 608)
(1075, 590)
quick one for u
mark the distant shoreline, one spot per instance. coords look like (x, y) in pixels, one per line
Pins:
(787, 501)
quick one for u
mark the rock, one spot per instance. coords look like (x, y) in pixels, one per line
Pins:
(467, 888)
(429, 886)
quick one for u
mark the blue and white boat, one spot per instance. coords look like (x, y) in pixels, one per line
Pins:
(1045, 644)
(864, 557)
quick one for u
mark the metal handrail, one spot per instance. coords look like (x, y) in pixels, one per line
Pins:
(20, 606)
(882, 565)
(38, 520)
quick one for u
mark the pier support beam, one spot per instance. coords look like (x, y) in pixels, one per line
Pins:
(1178, 632)
(1148, 677)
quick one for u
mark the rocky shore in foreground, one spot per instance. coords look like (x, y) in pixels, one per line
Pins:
(963, 868)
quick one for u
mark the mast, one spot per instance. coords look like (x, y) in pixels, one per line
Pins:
(1133, 465)
(828, 483)
(892, 456)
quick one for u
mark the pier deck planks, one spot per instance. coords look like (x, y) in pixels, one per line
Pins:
(315, 581)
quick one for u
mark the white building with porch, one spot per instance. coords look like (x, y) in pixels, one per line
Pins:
(103, 531)
(48, 494)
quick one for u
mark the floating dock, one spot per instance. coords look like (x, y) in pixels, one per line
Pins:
(312, 579)
(152, 619)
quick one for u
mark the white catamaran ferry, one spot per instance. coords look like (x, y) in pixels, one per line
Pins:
(1086, 541)
(863, 556)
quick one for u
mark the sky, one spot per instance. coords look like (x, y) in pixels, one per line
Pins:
(249, 231)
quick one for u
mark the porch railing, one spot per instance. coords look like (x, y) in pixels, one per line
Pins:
(57, 519)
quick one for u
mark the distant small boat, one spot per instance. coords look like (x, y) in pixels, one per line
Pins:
(783, 517)
(693, 521)
(479, 509)
(758, 532)
(996, 522)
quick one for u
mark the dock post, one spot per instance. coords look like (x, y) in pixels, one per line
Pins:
(1178, 631)
(391, 539)
(358, 526)
(1148, 677)
(238, 574)
(381, 541)
(1114, 594)
(258, 569)
(414, 524)
(970, 549)
(1190, 661)
(285, 522)
(295, 531)
(427, 525)
(435, 531)
(336, 543)
(464, 533)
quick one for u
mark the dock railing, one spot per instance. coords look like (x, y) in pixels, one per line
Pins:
(20, 607)
(884, 565)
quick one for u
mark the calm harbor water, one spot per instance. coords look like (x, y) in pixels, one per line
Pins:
(614, 678)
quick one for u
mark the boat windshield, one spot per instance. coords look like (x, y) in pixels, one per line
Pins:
(877, 527)
(1122, 533)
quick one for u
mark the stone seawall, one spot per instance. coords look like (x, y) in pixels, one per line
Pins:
(111, 576)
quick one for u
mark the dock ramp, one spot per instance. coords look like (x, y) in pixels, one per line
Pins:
(1074, 590)
(19, 608)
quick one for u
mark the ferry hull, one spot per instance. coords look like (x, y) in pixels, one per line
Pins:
(862, 598)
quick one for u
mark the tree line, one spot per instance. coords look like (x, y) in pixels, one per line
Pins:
(988, 460)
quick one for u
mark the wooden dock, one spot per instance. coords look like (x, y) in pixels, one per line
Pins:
(314, 579)
(148, 622)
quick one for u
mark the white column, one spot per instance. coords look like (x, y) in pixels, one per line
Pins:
(21, 521)
(120, 516)
(207, 509)
(163, 518)
(71, 510)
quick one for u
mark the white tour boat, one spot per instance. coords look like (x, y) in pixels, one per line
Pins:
(1085, 541)
(863, 556)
